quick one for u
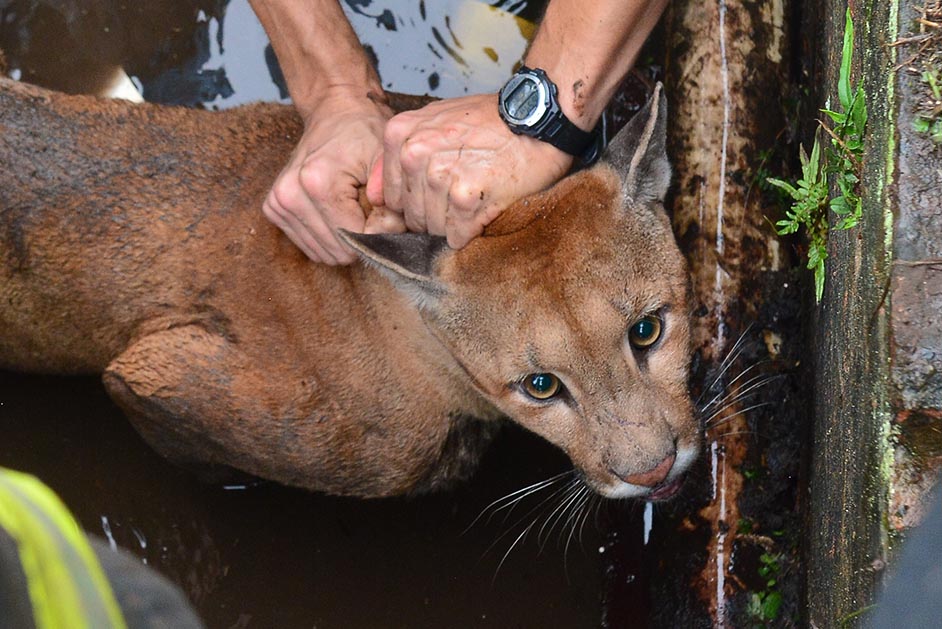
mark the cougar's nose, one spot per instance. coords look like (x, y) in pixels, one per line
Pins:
(653, 476)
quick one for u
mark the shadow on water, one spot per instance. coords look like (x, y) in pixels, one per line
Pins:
(264, 555)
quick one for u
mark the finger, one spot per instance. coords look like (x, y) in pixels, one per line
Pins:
(461, 228)
(277, 217)
(304, 236)
(414, 162)
(384, 221)
(374, 184)
(436, 199)
(396, 133)
(290, 205)
(334, 204)
(459, 235)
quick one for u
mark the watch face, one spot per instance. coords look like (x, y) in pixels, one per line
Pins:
(524, 100)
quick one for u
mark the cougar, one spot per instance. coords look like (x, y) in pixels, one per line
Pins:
(132, 245)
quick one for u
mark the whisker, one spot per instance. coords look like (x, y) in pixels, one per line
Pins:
(573, 492)
(593, 498)
(577, 512)
(731, 404)
(727, 361)
(564, 490)
(507, 554)
(513, 498)
(748, 390)
(540, 507)
(726, 420)
(721, 395)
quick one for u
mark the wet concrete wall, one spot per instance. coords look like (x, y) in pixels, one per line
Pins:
(877, 342)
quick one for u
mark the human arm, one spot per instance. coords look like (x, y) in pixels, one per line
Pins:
(452, 166)
(339, 96)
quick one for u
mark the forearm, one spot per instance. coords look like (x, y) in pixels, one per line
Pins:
(587, 48)
(317, 49)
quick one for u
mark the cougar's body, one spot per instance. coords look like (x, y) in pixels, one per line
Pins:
(132, 245)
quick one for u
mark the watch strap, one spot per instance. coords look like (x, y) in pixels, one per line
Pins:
(556, 129)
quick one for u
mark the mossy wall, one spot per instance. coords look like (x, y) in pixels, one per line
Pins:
(877, 342)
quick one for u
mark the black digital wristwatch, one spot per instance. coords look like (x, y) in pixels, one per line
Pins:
(528, 104)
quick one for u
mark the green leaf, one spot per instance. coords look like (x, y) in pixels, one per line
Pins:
(814, 162)
(921, 125)
(771, 605)
(818, 282)
(929, 77)
(847, 54)
(840, 206)
(937, 132)
(847, 222)
(784, 185)
(836, 116)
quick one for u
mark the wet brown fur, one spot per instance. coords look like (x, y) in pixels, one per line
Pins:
(131, 244)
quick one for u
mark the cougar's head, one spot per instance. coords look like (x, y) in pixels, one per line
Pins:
(570, 314)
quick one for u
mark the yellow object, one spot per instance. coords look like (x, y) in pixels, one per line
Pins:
(67, 586)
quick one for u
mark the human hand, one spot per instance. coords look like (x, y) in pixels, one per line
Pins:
(317, 192)
(454, 165)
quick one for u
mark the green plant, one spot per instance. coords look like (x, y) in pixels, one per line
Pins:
(930, 122)
(841, 164)
(764, 606)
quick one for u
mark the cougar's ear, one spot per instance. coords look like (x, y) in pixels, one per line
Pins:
(406, 259)
(639, 152)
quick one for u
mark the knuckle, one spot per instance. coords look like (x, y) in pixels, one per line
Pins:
(284, 195)
(414, 221)
(413, 155)
(398, 128)
(465, 197)
(315, 179)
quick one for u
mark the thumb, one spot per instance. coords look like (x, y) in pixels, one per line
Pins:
(374, 184)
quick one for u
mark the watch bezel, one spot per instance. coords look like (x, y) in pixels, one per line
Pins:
(543, 101)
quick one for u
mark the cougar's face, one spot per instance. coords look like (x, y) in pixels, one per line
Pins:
(576, 325)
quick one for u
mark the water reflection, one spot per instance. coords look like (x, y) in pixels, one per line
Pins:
(215, 52)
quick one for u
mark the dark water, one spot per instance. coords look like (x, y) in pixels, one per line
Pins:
(267, 556)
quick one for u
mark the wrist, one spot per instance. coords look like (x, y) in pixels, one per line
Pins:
(579, 98)
(346, 99)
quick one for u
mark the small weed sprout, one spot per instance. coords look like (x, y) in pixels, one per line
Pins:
(925, 64)
(810, 195)
(765, 606)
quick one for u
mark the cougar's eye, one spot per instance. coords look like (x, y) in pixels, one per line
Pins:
(645, 332)
(542, 386)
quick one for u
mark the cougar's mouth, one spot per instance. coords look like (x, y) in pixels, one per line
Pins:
(666, 490)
